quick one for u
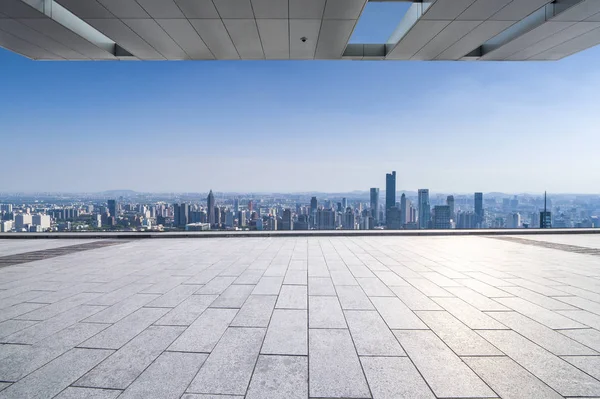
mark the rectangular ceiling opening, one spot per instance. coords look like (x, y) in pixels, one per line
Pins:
(378, 21)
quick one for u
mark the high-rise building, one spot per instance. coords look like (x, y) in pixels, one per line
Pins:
(250, 206)
(450, 203)
(181, 215)
(479, 210)
(375, 204)
(22, 220)
(348, 220)
(112, 207)
(302, 223)
(217, 215)
(441, 217)
(210, 208)
(313, 211)
(325, 219)
(403, 217)
(424, 209)
(545, 215)
(392, 220)
(286, 220)
(344, 203)
(465, 220)
(390, 191)
(236, 205)
(513, 221)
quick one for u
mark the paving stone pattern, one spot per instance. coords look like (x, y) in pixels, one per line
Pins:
(301, 317)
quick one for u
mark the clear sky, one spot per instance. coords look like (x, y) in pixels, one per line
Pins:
(301, 126)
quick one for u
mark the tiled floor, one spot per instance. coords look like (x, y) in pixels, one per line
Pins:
(328, 317)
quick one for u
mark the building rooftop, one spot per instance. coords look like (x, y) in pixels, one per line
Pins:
(513, 30)
(296, 317)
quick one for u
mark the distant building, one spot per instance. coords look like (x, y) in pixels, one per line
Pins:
(465, 220)
(393, 220)
(348, 220)
(403, 217)
(210, 206)
(236, 205)
(286, 220)
(424, 209)
(390, 191)
(479, 210)
(6, 226)
(375, 204)
(313, 211)
(181, 215)
(325, 219)
(112, 208)
(197, 227)
(545, 216)
(41, 220)
(441, 217)
(344, 203)
(513, 221)
(302, 223)
(22, 221)
(450, 203)
(242, 219)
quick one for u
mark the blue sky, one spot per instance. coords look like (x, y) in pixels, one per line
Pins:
(300, 126)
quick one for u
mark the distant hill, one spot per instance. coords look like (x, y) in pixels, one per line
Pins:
(118, 193)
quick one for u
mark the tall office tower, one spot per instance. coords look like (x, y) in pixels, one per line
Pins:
(390, 191)
(344, 203)
(286, 220)
(375, 204)
(348, 220)
(112, 207)
(313, 211)
(479, 210)
(514, 203)
(424, 209)
(210, 208)
(250, 206)
(450, 203)
(441, 217)
(236, 205)
(392, 220)
(217, 215)
(545, 216)
(325, 219)
(339, 207)
(181, 215)
(403, 218)
(242, 219)
(465, 220)
(302, 223)
(513, 221)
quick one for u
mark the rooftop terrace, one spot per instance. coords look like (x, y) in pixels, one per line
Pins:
(301, 317)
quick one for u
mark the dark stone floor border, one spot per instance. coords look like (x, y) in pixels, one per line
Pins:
(32, 256)
(552, 245)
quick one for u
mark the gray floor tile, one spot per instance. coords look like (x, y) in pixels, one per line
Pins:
(445, 372)
(55, 376)
(544, 316)
(287, 333)
(166, 378)
(588, 337)
(510, 380)
(584, 318)
(292, 297)
(120, 333)
(295, 277)
(203, 334)
(325, 312)
(371, 335)
(233, 297)
(174, 297)
(322, 286)
(582, 303)
(256, 311)
(229, 367)
(396, 314)
(122, 309)
(589, 364)
(469, 315)
(20, 309)
(557, 373)
(352, 297)
(460, 338)
(373, 287)
(485, 289)
(334, 367)
(249, 277)
(475, 299)
(187, 311)
(542, 335)
(268, 285)
(277, 377)
(88, 393)
(428, 288)
(391, 279)
(56, 308)
(209, 396)
(539, 299)
(216, 286)
(394, 378)
(126, 364)
(9, 327)
(342, 277)
(415, 299)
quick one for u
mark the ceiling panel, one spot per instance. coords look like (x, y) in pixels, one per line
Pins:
(244, 35)
(274, 34)
(32, 36)
(27, 49)
(161, 8)
(548, 43)
(580, 12)
(519, 9)
(125, 8)
(343, 9)
(18, 9)
(58, 32)
(306, 9)
(125, 37)
(474, 39)
(446, 38)
(528, 39)
(416, 38)
(570, 47)
(154, 35)
(482, 10)
(446, 9)
(234, 9)
(333, 38)
(86, 8)
(309, 29)
(216, 38)
(184, 34)
(198, 8)
(270, 8)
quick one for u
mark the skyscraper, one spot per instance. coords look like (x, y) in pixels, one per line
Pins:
(375, 204)
(112, 207)
(450, 203)
(210, 208)
(348, 220)
(236, 205)
(424, 209)
(286, 220)
(344, 203)
(181, 215)
(545, 216)
(403, 209)
(313, 211)
(325, 219)
(390, 191)
(441, 217)
(392, 220)
(479, 210)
